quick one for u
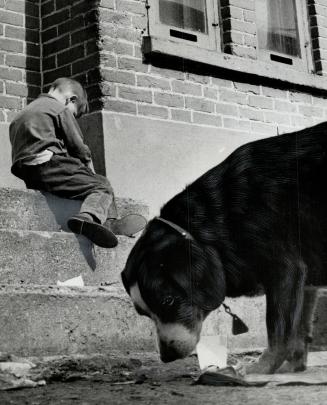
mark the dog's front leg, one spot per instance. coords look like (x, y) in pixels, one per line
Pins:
(284, 308)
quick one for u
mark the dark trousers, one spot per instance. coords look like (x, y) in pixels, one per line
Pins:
(68, 177)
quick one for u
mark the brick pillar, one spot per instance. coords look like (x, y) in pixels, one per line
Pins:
(70, 33)
(239, 29)
(318, 25)
(19, 55)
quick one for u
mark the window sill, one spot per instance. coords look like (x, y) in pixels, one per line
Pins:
(272, 71)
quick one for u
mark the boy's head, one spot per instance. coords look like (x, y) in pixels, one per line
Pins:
(72, 94)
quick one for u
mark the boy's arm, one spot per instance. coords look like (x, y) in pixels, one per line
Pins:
(73, 137)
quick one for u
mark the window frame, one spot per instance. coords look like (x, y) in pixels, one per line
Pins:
(305, 63)
(210, 41)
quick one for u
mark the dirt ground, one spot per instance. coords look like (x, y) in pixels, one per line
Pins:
(155, 383)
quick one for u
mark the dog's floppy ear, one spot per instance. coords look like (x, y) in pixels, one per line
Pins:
(203, 280)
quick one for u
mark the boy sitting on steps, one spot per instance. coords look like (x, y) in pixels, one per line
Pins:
(49, 154)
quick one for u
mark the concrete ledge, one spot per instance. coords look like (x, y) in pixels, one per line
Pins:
(44, 257)
(52, 320)
(33, 210)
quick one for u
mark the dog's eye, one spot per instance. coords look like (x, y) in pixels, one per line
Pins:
(169, 300)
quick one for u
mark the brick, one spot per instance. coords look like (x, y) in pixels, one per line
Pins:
(186, 88)
(32, 9)
(11, 45)
(107, 4)
(199, 104)
(233, 96)
(168, 99)
(207, 119)
(285, 106)
(246, 4)
(15, 89)
(85, 64)
(16, 5)
(231, 11)
(260, 102)
(209, 92)
(198, 78)
(244, 27)
(108, 89)
(126, 63)
(32, 22)
(118, 77)
(82, 7)
(247, 87)
(232, 36)
(300, 97)
(2, 116)
(33, 49)
(251, 114)
(134, 94)
(249, 16)
(8, 17)
(1, 29)
(47, 8)
(128, 34)
(22, 61)
(250, 40)
(153, 82)
(216, 81)
(71, 25)
(168, 73)
(91, 17)
(49, 63)
(180, 115)
(108, 60)
(300, 121)
(50, 76)
(277, 118)
(55, 18)
(49, 34)
(134, 7)
(236, 124)
(91, 47)
(84, 34)
(153, 111)
(119, 47)
(15, 32)
(275, 93)
(56, 46)
(139, 22)
(11, 74)
(109, 16)
(120, 106)
(71, 55)
(33, 78)
(310, 111)
(227, 109)
(11, 103)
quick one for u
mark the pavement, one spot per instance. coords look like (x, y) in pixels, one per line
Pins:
(142, 378)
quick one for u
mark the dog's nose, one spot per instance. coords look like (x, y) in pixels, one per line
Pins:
(168, 353)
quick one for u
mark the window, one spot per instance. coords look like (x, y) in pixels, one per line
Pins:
(281, 28)
(188, 21)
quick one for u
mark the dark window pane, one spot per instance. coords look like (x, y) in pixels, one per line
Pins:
(278, 26)
(185, 14)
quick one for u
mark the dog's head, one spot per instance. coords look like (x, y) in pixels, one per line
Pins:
(176, 282)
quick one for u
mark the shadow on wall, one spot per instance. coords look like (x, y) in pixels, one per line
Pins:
(33, 50)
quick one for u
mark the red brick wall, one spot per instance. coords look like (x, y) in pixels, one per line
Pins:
(19, 55)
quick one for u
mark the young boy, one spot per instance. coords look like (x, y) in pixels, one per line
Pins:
(49, 154)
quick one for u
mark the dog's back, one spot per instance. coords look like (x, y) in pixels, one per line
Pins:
(267, 202)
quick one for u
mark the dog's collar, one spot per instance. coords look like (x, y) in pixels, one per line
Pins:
(177, 228)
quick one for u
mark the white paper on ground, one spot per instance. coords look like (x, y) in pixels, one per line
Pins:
(212, 351)
(72, 282)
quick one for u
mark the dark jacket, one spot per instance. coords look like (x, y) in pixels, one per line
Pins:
(46, 124)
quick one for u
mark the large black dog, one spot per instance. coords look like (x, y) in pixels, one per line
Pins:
(256, 221)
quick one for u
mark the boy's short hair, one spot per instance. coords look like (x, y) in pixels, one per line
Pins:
(64, 83)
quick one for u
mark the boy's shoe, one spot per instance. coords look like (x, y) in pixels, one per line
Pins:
(98, 234)
(128, 225)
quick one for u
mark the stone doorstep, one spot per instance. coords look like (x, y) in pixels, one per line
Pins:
(35, 257)
(33, 210)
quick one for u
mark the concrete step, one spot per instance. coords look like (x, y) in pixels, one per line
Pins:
(39, 257)
(33, 210)
(50, 320)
